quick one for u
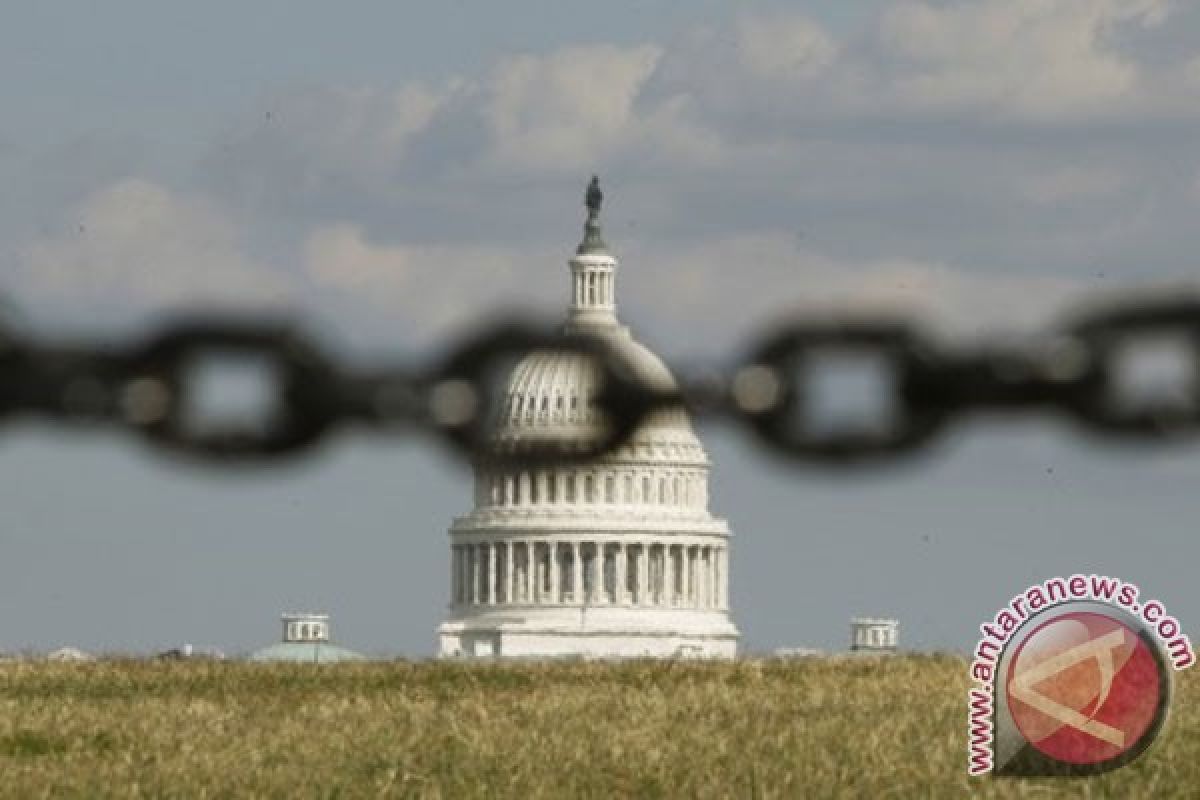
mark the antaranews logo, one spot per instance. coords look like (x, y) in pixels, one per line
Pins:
(1073, 677)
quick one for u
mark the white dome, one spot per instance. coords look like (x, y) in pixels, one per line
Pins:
(548, 394)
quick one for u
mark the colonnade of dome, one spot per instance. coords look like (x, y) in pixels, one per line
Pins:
(627, 571)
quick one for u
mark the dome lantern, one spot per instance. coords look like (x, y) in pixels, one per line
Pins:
(593, 271)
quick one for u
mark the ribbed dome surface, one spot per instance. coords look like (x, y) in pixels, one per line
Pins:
(551, 390)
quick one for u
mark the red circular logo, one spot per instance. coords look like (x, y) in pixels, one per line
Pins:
(1085, 688)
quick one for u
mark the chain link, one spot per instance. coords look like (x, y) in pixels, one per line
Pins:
(1076, 370)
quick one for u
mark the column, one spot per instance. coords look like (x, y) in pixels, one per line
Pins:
(508, 571)
(696, 576)
(668, 593)
(577, 570)
(712, 577)
(515, 579)
(708, 577)
(597, 573)
(643, 566)
(712, 571)
(535, 574)
(722, 579)
(465, 577)
(620, 595)
(464, 573)
(454, 573)
(490, 586)
(474, 550)
(554, 570)
(685, 570)
(522, 569)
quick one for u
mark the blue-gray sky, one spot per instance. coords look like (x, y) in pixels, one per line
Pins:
(392, 171)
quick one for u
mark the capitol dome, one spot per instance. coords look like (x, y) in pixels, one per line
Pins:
(615, 558)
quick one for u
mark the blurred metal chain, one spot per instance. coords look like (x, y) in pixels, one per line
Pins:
(1073, 370)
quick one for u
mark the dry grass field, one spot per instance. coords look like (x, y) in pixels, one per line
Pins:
(890, 727)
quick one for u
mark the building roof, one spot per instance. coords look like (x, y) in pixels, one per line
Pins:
(305, 653)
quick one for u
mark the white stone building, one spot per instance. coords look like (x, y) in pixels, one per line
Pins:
(616, 558)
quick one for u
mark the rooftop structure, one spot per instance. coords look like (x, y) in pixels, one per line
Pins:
(305, 639)
(69, 654)
(872, 634)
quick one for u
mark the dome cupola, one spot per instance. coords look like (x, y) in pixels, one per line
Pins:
(593, 272)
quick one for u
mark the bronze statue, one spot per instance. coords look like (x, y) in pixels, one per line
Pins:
(594, 196)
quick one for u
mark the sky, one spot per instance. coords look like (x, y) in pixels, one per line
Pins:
(392, 173)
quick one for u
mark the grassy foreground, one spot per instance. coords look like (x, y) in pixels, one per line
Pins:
(891, 727)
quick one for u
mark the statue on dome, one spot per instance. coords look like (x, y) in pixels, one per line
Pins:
(594, 197)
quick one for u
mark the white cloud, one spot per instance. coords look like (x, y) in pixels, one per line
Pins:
(784, 46)
(434, 287)
(566, 106)
(577, 106)
(708, 99)
(1039, 59)
(739, 282)
(141, 246)
(710, 135)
